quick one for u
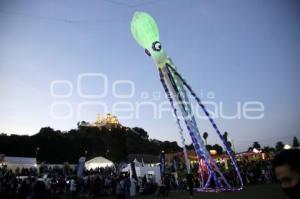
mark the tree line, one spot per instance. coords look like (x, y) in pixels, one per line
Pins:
(54, 146)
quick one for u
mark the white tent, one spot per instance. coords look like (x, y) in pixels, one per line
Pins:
(19, 162)
(141, 170)
(98, 162)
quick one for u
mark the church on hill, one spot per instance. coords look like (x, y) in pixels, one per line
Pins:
(108, 121)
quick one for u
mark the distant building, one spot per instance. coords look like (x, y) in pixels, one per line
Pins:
(17, 162)
(108, 121)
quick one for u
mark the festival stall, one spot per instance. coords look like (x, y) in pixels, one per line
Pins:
(151, 172)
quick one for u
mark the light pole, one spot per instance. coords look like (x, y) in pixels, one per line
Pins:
(36, 153)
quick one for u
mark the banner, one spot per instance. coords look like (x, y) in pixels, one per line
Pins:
(175, 163)
(80, 166)
(133, 171)
(162, 163)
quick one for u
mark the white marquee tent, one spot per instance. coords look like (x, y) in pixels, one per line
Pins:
(98, 162)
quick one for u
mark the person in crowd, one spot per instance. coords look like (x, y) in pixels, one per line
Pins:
(127, 185)
(120, 190)
(23, 190)
(39, 191)
(73, 188)
(287, 169)
(167, 184)
(161, 189)
(133, 186)
(190, 184)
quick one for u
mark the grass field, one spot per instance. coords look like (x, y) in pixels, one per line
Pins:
(270, 191)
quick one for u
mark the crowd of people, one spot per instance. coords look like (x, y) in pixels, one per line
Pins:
(64, 183)
(60, 183)
(257, 172)
(252, 172)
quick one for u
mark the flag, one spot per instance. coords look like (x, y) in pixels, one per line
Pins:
(162, 163)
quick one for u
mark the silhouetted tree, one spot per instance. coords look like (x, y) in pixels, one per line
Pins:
(218, 148)
(141, 132)
(189, 147)
(57, 147)
(117, 146)
(225, 136)
(256, 145)
(279, 146)
(295, 142)
(209, 147)
(205, 136)
(227, 142)
(268, 149)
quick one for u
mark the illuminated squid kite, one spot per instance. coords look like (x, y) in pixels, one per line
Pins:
(145, 32)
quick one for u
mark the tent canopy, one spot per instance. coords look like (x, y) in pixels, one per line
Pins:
(143, 158)
(98, 162)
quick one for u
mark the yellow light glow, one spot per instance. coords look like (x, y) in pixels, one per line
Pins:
(213, 152)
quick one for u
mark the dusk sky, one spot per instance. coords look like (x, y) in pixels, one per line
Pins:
(231, 52)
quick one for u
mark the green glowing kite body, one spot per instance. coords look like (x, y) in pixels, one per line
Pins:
(145, 32)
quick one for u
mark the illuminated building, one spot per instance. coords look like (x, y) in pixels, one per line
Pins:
(108, 121)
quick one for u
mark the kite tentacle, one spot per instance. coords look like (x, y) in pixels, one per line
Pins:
(194, 132)
(177, 118)
(229, 151)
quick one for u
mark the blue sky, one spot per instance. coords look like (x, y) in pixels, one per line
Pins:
(239, 50)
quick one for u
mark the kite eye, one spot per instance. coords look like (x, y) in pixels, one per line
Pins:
(156, 46)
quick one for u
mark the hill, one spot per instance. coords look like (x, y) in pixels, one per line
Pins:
(55, 146)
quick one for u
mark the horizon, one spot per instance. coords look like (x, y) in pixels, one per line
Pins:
(64, 62)
(208, 144)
